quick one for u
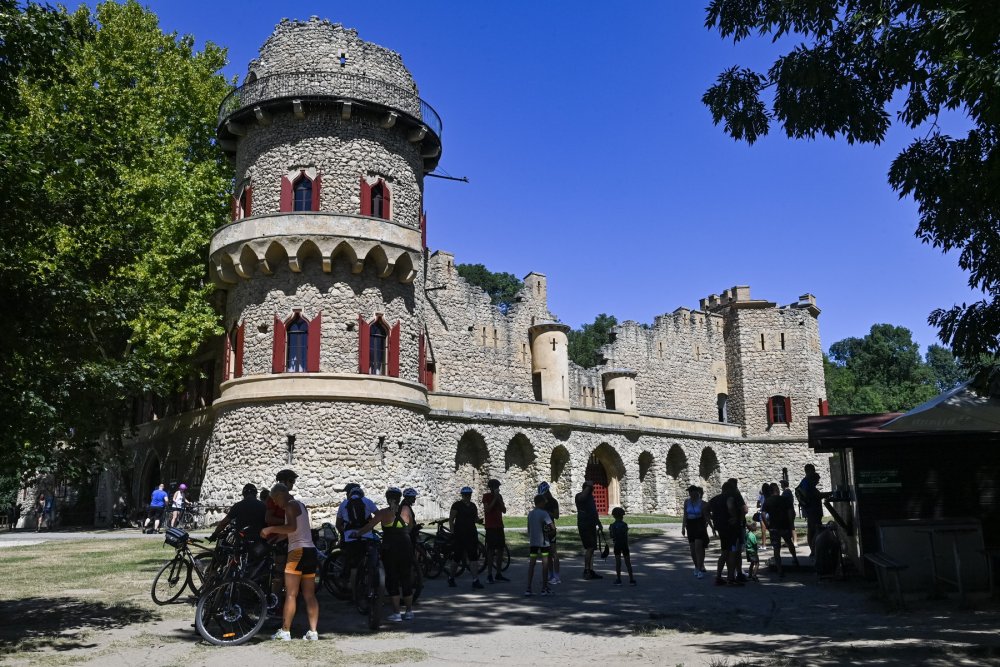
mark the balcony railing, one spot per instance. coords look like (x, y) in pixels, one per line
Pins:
(329, 84)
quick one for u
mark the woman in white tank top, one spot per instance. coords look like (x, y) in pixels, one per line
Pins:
(300, 568)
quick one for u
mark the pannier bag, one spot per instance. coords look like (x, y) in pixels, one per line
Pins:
(175, 537)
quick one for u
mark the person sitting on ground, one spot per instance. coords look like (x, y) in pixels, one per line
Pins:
(300, 566)
(493, 511)
(752, 556)
(588, 522)
(552, 507)
(618, 531)
(397, 551)
(157, 503)
(541, 529)
(246, 514)
(464, 537)
(695, 524)
(782, 516)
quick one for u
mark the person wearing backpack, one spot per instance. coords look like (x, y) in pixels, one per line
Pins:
(397, 551)
(354, 512)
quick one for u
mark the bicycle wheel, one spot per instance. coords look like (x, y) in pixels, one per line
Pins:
(481, 555)
(432, 562)
(505, 563)
(333, 576)
(170, 581)
(361, 588)
(417, 581)
(374, 600)
(200, 572)
(231, 613)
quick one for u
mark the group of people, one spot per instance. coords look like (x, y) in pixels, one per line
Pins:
(158, 506)
(726, 515)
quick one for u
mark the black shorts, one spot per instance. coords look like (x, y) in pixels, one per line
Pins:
(622, 550)
(155, 514)
(696, 530)
(302, 561)
(730, 538)
(495, 538)
(464, 548)
(588, 536)
(538, 551)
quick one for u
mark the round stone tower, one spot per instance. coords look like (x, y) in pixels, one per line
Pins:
(324, 357)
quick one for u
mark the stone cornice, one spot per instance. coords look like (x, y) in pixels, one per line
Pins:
(337, 387)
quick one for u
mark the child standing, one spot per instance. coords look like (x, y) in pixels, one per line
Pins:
(619, 535)
(541, 529)
(752, 556)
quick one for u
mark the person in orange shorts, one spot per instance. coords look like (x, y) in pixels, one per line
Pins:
(300, 567)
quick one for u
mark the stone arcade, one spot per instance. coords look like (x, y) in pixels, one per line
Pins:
(354, 354)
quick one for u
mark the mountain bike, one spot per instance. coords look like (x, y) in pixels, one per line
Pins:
(186, 570)
(368, 583)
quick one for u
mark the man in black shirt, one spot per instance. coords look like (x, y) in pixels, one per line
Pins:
(248, 512)
(465, 537)
(588, 523)
(780, 520)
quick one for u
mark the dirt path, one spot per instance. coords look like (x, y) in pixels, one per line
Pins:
(670, 618)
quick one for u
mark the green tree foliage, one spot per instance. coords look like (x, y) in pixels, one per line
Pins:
(502, 288)
(110, 189)
(884, 372)
(585, 343)
(860, 60)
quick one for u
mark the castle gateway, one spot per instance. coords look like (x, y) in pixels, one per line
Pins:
(352, 353)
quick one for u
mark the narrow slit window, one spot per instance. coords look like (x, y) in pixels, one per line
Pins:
(782, 341)
(298, 345)
(378, 349)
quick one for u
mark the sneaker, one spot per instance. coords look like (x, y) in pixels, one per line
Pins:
(528, 593)
(500, 577)
(719, 581)
(489, 579)
(699, 574)
(558, 579)
(477, 584)
(553, 581)
(451, 582)
(395, 618)
(311, 636)
(632, 582)
(408, 615)
(586, 574)
(282, 635)
(594, 575)
(547, 592)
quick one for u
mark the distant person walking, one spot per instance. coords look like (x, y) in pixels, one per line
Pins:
(493, 511)
(588, 522)
(618, 531)
(157, 503)
(695, 525)
(45, 510)
(177, 504)
(552, 507)
(541, 529)
(781, 515)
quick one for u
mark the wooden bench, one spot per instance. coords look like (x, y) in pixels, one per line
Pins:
(885, 565)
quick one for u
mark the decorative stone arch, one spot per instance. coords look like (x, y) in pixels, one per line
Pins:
(151, 476)
(519, 466)
(606, 470)
(471, 458)
(559, 471)
(677, 477)
(647, 482)
(710, 471)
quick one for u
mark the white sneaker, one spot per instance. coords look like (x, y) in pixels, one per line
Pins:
(311, 636)
(395, 618)
(557, 578)
(700, 574)
(408, 616)
(282, 635)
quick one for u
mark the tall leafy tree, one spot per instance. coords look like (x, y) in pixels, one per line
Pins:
(501, 287)
(859, 64)
(585, 343)
(112, 185)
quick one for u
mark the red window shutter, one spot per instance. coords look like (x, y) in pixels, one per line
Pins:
(421, 361)
(423, 230)
(248, 209)
(394, 351)
(238, 370)
(788, 410)
(366, 197)
(363, 342)
(824, 407)
(386, 208)
(285, 204)
(278, 347)
(227, 354)
(312, 346)
(770, 411)
(317, 184)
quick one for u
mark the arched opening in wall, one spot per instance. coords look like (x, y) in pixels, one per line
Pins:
(151, 477)
(558, 475)
(470, 459)
(677, 478)
(722, 404)
(710, 471)
(606, 470)
(519, 464)
(647, 480)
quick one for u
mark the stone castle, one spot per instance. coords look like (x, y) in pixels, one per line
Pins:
(353, 353)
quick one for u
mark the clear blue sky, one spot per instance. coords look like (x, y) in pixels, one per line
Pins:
(580, 127)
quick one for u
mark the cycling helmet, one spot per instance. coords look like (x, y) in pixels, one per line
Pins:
(393, 492)
(493, 484)
(466, 491)
(357, 492)
(409, 492)
(183, 487)
(543, 488)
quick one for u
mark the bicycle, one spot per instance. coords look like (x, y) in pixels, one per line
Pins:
(368, 584)
(184, 570)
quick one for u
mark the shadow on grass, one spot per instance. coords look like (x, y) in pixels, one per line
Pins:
(61, 623)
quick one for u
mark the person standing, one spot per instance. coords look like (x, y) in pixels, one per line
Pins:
(397, 552)
(493, 511)
(247, 513)
(464, 537)
(552, 507)
(695, 525)
(157, 503)
(300, 566)
(724, 509)
(739, 512)
(618, 531)
(781, 516)
(177, 504)
(353, 513)
(41, 509)
(588, 522)
(274, 515)
(541, 528)
(753, 558)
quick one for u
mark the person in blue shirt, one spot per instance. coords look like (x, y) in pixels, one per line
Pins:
(619, 536)
(156, 505)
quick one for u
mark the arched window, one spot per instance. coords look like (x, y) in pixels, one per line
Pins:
(377, 349)
(297, 346)
(375, 199)
(302, 191)
(378, 200)
(779, 410)
(722, 402)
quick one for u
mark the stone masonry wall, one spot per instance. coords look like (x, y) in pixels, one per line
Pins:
(343, 151)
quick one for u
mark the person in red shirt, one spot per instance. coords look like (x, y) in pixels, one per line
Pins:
(493, 511)
(274, 515)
